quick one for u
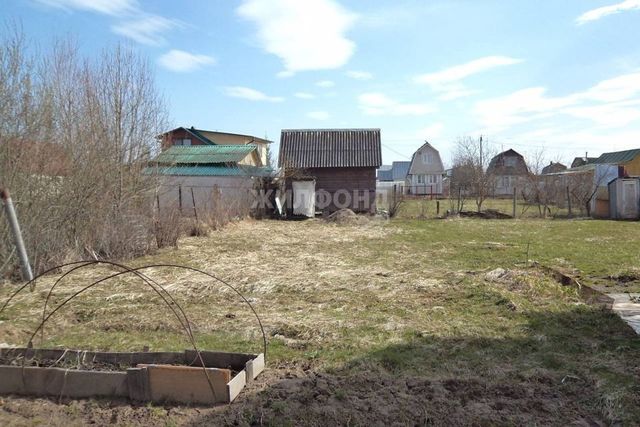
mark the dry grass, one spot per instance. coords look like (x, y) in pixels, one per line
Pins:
(367, 307)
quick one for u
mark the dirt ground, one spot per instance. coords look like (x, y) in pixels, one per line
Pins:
(369, 323)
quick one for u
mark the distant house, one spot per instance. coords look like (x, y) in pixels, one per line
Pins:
(581, 161)
(553, 167)
(205, 175)
(329, 169)
(425, 172)
(509, 170)
(384, 174)
(183, 136)
(396, 172)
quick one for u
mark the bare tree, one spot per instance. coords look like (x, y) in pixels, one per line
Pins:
(75, 135)
(470, 164)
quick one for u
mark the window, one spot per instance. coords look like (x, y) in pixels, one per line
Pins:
(510, 161)
(420, 179)
(427, 158)
(185, 141)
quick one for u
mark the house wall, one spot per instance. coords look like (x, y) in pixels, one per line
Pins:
(210, 193)
(424, 184)
(168, 138)
(504, 185)
(230, 139)
(633, 167)
(358, 182)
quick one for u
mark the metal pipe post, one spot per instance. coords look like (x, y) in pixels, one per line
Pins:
(27, 274)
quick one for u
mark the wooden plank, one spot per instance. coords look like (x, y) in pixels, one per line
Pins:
(217, 359)
(138, 384)
(254, 367)
(62, 382)
(236, 385)
(185, 384)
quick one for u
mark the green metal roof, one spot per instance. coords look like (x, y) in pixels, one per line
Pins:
(618, 157)
(203, 154)
(207, 170)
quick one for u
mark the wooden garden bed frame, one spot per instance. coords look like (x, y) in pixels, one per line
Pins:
(175, 377)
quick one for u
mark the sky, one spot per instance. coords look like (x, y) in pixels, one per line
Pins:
(558, 77)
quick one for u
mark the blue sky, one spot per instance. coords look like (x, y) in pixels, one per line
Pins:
(563, 77)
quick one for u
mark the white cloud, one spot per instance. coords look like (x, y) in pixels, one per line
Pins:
(149, 29)
(325, 83)
(378, 104)
(359, 75)
(106, 7)
(250, 94)
(601, 12)
(183, 62)
(318, 115)
(305, 35)
(304, 95)
(449, 81)
(462, 71)
(608, 104)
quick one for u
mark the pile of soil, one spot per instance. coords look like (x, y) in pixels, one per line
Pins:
(488, 214)
(347, 216)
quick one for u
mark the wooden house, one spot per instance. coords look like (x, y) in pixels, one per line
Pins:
(183, 136)
(553, 167)
(425, 173)
(336, 167)
(509, 170)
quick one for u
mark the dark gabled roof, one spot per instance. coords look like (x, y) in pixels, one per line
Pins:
(618, 157)
(497, 165)
(580, 161)
(203, 154)
(552, 168)
(330, 148)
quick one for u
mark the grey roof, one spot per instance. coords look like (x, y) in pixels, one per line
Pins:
(328, 148)
(385, 173)
(399, 170)
(618, 157)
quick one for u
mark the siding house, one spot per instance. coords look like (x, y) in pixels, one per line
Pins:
(396, 172)
(183, 136)
(509, 170)
(608, 167)
(205, 175)
(331, 168)
(425, 172)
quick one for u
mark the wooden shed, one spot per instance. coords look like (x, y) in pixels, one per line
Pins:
(342, 162)
(624, 198)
